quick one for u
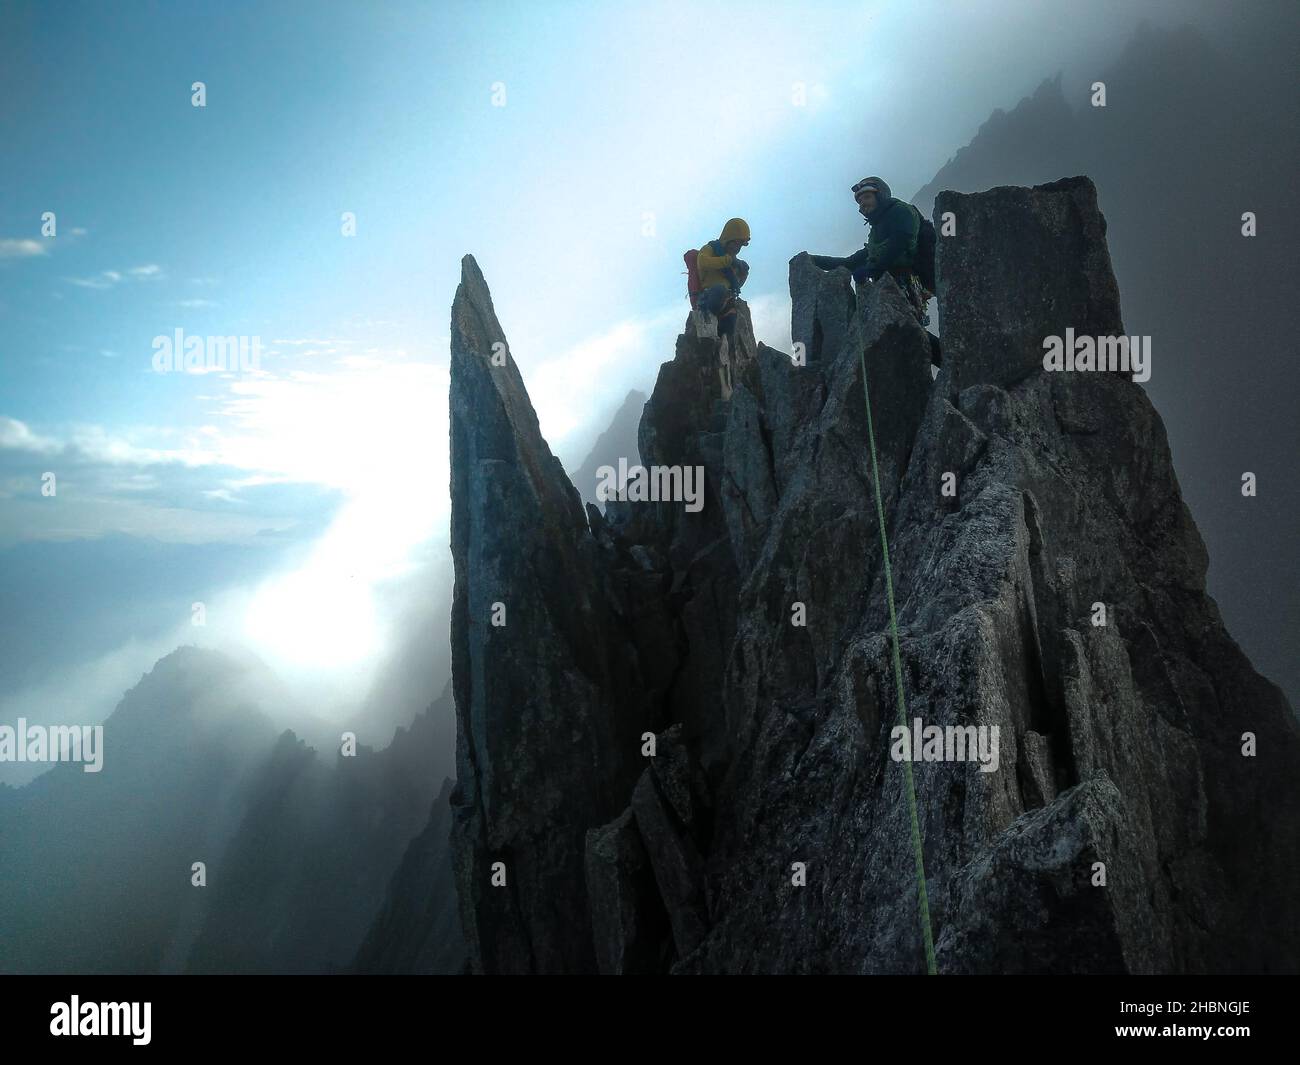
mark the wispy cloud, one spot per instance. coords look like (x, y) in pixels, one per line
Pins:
(95, 444)
(593, 375)
(17, 435)
(109, 278)
(21, 248)
(170, 484)
(223, 494)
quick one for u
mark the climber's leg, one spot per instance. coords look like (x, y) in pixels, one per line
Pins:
(718, 301)
(727, 322)
(713, 299)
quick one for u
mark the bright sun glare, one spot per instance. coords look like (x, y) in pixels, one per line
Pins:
(378, 433)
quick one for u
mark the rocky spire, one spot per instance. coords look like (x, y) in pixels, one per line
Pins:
(1051, 594)
(548, 701)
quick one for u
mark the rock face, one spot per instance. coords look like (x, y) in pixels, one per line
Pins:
(1216, 305)
(1049, 583)
(548, 687)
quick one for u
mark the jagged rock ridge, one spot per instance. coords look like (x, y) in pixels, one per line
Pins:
(1120, 744)
(1169, 147)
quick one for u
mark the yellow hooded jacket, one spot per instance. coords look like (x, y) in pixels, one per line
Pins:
(716, 269)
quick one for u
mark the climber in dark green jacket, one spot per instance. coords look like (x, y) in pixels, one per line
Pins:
(891, 244)
(890, 248)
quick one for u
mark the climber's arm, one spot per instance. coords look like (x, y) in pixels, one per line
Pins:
(706, 260)
(830, 262)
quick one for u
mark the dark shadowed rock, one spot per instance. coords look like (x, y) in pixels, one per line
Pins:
(1002, 269)
(1050, 585)
(629, 925)
(1048, 861)
(669, 818)
(821, 308)
(549, 700)
(1217, 306)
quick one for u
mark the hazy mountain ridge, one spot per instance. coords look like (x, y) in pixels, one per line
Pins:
(298, 850)
(307, 870)
(95, 867)
(1177, 161)
(617, 441)
(417, 930)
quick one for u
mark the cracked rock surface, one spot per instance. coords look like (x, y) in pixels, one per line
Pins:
(1021, 507)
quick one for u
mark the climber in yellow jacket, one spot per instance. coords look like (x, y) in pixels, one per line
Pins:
(722, 274)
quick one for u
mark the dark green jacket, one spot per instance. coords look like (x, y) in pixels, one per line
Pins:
(891, 244)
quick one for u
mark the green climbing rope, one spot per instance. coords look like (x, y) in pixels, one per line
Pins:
(922, 898)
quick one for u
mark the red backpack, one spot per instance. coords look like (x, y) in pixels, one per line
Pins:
(693, 286)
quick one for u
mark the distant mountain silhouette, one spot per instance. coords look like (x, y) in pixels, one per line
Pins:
(307, 870)
(617, 441)
(95, 867)
(1177, 160)
(418, 927)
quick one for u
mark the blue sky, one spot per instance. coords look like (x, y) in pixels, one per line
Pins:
(230, 213)
(629, 133)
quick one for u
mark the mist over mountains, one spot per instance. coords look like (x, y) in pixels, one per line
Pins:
(1193, 135)
(96, 867)
(298, 846)
(321, 863)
